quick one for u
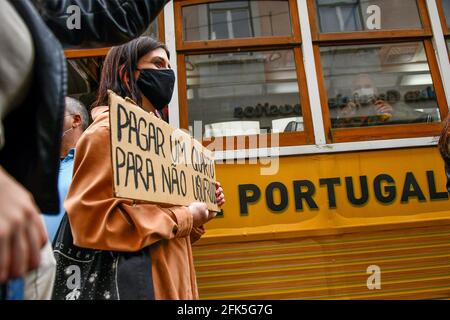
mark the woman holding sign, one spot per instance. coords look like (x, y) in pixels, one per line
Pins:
(149, 245)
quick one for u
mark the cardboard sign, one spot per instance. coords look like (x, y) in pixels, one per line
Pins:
(155, 162)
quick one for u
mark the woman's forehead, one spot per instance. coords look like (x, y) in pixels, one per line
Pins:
(158, 52)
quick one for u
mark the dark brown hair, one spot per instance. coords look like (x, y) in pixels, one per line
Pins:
(124, 57)
(445, 140)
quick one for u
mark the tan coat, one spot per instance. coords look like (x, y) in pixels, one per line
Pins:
(101, 221)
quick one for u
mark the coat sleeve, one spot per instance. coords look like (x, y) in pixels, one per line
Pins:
(101, 221)
(197, 233)
(101, 23)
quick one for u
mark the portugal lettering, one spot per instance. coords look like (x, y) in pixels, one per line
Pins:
(359, 191)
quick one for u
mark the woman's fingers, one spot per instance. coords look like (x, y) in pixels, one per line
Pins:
(220, 196)
(220, 200)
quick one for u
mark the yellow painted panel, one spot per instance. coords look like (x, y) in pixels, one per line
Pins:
(400, 164)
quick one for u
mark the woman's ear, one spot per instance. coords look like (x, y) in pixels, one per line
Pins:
(124, 77)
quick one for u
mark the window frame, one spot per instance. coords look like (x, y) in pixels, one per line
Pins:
(293, 42)
(386, 132)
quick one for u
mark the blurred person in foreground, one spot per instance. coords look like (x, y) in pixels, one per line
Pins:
(33, 85)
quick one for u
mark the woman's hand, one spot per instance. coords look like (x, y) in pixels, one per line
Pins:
(200, 213)
(220, 196)
(200, 210)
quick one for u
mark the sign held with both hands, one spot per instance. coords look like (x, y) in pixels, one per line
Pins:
(155, 162)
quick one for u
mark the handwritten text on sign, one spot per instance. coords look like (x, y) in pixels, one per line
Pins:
(154, 162)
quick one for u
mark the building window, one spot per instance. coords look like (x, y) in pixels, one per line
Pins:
(376, 83)
(241, 72)
(84, 66)
(154, 30)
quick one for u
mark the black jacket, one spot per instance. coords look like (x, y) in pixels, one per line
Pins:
(33, 129)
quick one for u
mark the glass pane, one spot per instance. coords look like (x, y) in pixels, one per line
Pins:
(83, 76)
(446, 7)
(363, 15)
(383, 84)
(152, 30)
(243, 93)
(236, 19)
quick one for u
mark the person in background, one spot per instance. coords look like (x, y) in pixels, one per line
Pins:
(444, 148)
(76, 120)
(368, 107)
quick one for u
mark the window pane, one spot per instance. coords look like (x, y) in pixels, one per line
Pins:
(446, 7)
(82, 78)
(363, 15)
(152, 30)
(383, 84)
(244, 93)
(236, 19)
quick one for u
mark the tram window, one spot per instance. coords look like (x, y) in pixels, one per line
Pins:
(356, 15)
(379, 84)
(236, 19)
(241, 74)
(244, 93)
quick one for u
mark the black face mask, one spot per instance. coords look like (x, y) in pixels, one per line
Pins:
(157, 86)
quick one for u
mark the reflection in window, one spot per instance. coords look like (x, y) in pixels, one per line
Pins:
(357, 15)
(380, 84)
(244, 93)
(236, 19)
(83, 78)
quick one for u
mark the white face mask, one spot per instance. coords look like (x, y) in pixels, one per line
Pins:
(368, 92)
